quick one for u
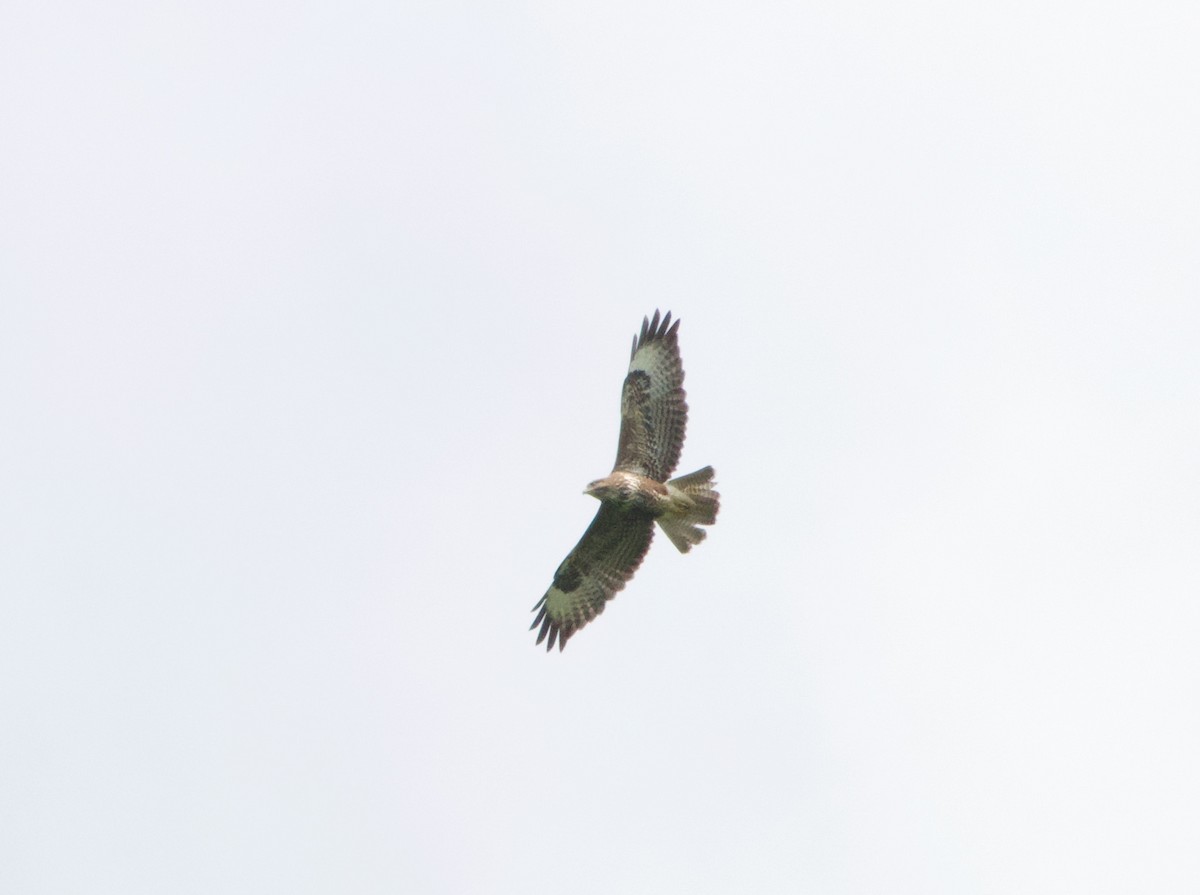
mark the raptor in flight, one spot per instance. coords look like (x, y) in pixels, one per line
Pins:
(638, 492)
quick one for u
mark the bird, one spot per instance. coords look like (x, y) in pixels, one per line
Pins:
(637, 494)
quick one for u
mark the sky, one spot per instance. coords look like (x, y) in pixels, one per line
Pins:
(313, 319)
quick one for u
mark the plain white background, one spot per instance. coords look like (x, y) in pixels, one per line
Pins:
(313, 319)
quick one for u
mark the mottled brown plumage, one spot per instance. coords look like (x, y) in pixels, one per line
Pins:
(637, 493)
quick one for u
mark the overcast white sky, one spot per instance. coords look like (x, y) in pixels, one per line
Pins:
(313, 319)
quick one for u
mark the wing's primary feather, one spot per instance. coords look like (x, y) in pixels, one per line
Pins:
(605, 558)
(653, 402)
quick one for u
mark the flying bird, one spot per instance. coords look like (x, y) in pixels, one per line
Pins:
(638, 492)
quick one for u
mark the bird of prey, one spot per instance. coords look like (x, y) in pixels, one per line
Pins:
(637, 494)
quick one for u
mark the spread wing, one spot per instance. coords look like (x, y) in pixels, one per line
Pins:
(604, 559)
(653, 402)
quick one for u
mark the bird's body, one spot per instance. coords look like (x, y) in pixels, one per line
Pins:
(631, 491)
(637, 494)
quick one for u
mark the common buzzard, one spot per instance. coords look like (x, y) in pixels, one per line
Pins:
(637, 493)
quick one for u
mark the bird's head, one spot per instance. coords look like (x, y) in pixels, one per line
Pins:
(604, 489)
(599, 489)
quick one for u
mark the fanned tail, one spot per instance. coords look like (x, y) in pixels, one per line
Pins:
(694, 502)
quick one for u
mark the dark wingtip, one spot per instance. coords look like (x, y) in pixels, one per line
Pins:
(551, 631)
(538, 618)
(555, 632)
(656, 327)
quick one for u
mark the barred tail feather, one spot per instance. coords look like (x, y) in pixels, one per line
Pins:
(695, 502)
